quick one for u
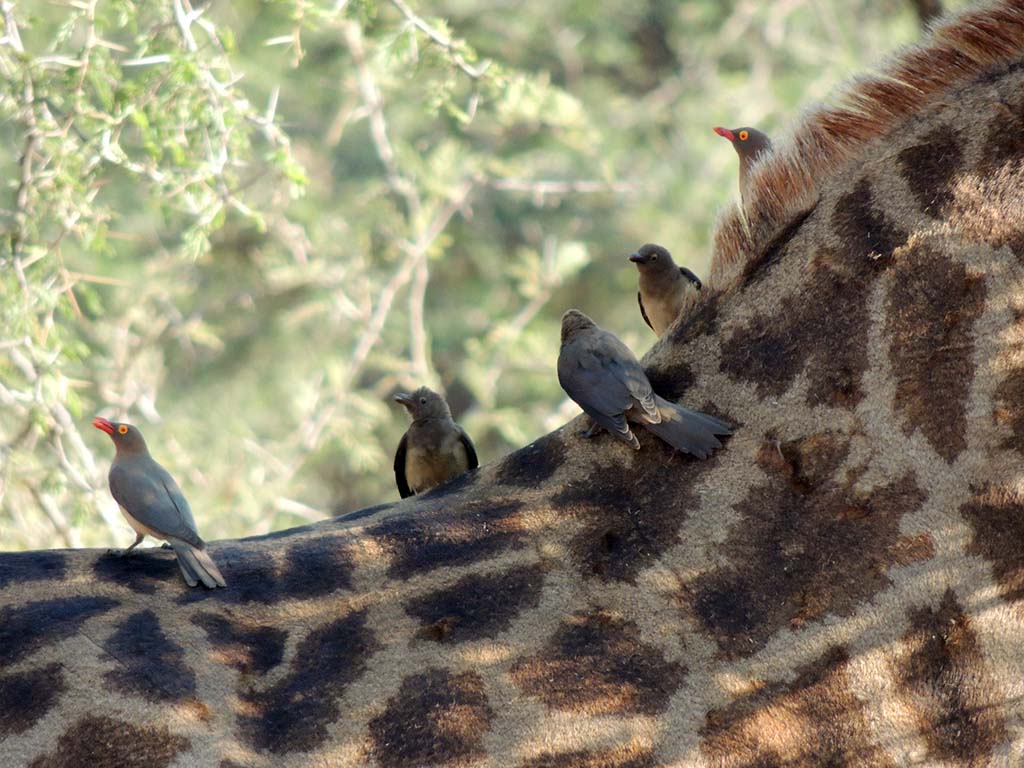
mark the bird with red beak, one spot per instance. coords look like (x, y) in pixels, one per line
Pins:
(153, 504)
(749, 144)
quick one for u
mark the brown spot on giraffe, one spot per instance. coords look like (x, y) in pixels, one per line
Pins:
(148, 663)
(806, 544)
(476, 531)
(996, 513)
(596, 664)
(1004, 140)
(943, 676)
(309, 568)
(478, 605)
(22, 567)
(437, 718)
(670, 379)
(700, 321)
(929, 167)
(831, 347)
(630, 516)
(987, 205)
(293, 714)
(811, 722)
(26, 697)
(249, 648)
(627, 757)
(26, 628)
(103, 742)
(532, 465)
(933, 306)
(143, 572)
(1009, 408)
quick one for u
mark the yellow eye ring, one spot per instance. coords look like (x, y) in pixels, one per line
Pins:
(744, 135)
(123, 429)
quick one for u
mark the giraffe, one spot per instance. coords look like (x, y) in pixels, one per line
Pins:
(842, 585)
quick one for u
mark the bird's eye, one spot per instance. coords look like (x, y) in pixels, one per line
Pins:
(123, 429)
(744, 135)
(654, 257)
(423, 401)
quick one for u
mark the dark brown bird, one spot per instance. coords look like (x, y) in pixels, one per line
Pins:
(434, 449)
(154, 505)
(663, 286)
(749, 144)
(605, 379)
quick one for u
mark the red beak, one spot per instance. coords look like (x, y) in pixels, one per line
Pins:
(725, 133)
(100, 423)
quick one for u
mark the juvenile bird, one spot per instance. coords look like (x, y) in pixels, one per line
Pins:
(154, 505)
(434, 449)
(749, 144)
(663, 286)
(604, 379)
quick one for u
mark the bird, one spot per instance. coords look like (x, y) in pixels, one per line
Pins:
(663, 286)
(749, 144)
(434, 449)
(606, 380)
(153, 504)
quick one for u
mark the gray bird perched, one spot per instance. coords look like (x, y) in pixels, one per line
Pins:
(663, 286)
(749, 144)
(434, 449)
(605, 379)
(154, 505)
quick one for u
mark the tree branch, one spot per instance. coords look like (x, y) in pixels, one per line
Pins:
(445, 43)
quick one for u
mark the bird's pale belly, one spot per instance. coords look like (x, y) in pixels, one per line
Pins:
(137, 526)
(425, 468)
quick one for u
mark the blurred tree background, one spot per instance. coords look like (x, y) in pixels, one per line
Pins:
(243, 226)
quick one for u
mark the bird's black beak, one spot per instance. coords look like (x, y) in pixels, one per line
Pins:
(404, 399)
(636, 258)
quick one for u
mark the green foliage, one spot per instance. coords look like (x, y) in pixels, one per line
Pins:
(243, 226)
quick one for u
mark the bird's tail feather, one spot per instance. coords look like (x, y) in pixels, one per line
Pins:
(686, 430)
(197, 565)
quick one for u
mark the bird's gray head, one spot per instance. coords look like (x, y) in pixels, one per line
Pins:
(424, 403)
(653, 258)
(574, 321)
(748, 142)
(127, 438)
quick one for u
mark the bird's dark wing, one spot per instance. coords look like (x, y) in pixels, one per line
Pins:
(619, 362)
(604, 378)
(467, 443)
(691, 277)
(403, 485)
(150, 495)
(643, 312)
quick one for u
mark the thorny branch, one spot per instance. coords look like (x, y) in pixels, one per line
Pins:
(445, 43)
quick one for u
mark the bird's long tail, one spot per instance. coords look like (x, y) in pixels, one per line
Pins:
(197, 565)
(686, 430)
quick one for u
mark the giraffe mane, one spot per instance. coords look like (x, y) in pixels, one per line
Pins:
(786, 182)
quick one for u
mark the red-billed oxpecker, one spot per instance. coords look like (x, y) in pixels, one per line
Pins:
(749, 144)
(154, 505)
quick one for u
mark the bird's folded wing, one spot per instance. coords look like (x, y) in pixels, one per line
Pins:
(467, 443)
(403, 484)
(151, 496)
(643, 312)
